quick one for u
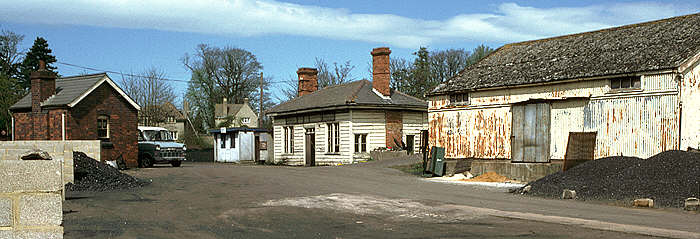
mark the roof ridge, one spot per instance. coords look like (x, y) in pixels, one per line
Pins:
(81, 76)
(601, 30)
(353, 96)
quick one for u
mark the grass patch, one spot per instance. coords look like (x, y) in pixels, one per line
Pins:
(413, 169)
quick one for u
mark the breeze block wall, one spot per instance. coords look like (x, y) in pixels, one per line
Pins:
(31, 195)
(61, 151)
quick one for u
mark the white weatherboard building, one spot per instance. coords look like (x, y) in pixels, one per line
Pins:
(341, 124)
(232, 145)
(636, 86)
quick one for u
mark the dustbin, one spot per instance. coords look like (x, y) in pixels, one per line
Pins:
(437, 161)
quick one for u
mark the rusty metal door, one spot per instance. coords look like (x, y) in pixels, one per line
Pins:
(310, 159)
(531, 135)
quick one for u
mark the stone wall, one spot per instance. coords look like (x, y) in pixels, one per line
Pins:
(61, 151)
(31, 195)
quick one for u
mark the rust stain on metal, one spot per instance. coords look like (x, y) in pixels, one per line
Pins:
(479, 133)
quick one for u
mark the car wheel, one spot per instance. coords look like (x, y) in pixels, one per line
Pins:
(146, 162)
(176, 163)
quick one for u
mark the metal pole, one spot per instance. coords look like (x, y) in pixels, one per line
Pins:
(260, 116)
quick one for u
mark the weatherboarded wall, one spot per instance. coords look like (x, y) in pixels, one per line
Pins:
(635, 123)
(369, 122)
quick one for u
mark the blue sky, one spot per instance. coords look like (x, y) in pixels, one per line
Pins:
(133, 35)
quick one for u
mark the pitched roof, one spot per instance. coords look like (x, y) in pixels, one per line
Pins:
(657, 45)
(356, 93)
(232, 110)
(71, 90)
(171, 110)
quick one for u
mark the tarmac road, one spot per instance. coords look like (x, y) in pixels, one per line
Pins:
(369, 200)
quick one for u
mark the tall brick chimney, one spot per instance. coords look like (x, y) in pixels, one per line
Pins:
(43, 86)
(381, 75)
(308, 83)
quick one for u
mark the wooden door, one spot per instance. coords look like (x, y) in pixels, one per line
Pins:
(530, 138)
(310, 139)
(257, 148)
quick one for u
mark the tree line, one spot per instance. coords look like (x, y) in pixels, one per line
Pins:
(16, 65)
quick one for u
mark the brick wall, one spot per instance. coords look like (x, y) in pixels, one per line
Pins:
(123, 123)
(394, 128)
(31, 199)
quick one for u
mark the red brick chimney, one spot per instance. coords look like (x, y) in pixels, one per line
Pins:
(381, 75)
(43, 85)
(308, 83)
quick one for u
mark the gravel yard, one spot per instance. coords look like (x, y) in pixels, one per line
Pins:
(668, 178)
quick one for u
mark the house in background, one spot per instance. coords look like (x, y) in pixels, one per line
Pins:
(173, 120)
(636, 86)
(341, 124)
(239, 115)
(86, 107)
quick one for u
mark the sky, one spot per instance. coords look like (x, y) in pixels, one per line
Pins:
(132, 36)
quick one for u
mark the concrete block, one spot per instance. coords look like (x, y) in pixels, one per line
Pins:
(41, 210)
(692, 204)
(5, 212)
(39, 234)
(644, 202)
(30, 176)
(568, 194)
(7, 234)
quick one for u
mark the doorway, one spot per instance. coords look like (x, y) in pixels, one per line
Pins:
(409, 143)
(310, 158)
(531, 135)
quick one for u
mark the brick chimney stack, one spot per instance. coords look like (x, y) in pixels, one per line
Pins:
(43, 86)
(308, 82)
(381, 75)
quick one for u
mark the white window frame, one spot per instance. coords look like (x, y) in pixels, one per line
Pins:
(333, 137)
(288, 132)
(361, 143)
(106, 119)
(245, 120)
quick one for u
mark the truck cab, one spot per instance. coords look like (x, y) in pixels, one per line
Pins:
(157, 145)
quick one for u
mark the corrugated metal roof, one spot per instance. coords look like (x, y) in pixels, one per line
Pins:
(657, 45)
(67, 90)
(356, 93)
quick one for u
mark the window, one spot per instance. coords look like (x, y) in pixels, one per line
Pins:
(103, 127)
(333, 137)
(459, 98)
(289, 139)
(245, 120)
(626, 83)
(223, 141)
(360, 143)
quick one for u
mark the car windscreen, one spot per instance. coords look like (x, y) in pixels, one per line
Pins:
(157, 135)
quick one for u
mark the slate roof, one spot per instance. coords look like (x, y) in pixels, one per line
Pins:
(67, 90)
(353, 94)
(657, 45)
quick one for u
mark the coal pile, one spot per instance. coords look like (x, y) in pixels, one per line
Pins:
(92, 175)
(668, 178)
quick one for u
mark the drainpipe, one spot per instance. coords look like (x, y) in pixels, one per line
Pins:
(13, 128)
(63, 126)
(679, 78)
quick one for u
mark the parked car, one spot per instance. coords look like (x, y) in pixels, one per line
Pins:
(157, 145)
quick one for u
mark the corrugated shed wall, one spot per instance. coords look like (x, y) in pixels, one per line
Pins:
(635, 124)
(566, 116)
(690, 94)
(478, 133)
(638, 126)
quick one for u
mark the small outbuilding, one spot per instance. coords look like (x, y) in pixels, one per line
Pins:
(233, 145)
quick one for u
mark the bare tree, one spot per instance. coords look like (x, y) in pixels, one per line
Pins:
(228, 72)
(10, 53)
(327, 76)
(151, 91)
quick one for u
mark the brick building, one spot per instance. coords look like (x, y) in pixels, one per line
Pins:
(342, 123)
(86, 107)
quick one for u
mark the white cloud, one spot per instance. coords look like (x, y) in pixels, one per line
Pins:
(509, 22)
